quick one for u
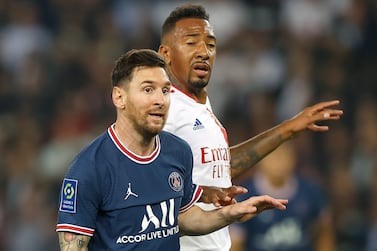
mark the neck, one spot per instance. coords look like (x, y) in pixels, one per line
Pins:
(138, 143)
(199, 94)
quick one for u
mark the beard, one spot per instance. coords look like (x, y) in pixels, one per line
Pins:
(150, 129)
(142, 124)
(198, 84)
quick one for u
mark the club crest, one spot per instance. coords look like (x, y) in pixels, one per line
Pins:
(175, 181)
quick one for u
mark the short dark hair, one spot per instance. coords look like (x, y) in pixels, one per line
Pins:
(126, 63)
(182, 12)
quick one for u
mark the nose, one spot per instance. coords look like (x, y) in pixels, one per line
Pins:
(202, 50)
(160, 98)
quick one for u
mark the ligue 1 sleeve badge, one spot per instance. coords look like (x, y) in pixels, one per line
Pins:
(68, 196)
(175, 181)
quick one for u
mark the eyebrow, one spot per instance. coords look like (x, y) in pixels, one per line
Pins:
(153, 82)
(197, 34)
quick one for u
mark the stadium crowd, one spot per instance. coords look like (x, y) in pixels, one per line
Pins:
(274, 58)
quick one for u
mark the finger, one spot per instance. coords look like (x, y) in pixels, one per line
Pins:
(226, 203)
(268, 202)
(317, 128)
(283, 201)
(282, 204)
(236, 190)
(227, 198)
(276, 204)
(323, 105)
(217, 204)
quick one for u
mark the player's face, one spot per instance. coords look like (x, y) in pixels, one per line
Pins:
(192, 52)
(148, 100)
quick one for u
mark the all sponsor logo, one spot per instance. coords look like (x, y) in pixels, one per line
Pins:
(164, 226)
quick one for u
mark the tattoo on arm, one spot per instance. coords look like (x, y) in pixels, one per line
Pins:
(247, 154)
(244, 159)
(73, 242)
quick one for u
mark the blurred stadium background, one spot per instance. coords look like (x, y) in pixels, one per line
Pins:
(274, 58)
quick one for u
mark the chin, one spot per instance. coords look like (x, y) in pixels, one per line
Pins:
(154, 130)
(201, 83)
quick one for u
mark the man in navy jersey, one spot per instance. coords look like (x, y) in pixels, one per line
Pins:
(131, 188)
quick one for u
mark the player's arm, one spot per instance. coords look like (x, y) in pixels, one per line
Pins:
(196, 221)
(73, 242)
(246, 154)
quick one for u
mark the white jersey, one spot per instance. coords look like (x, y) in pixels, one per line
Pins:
(196, 123)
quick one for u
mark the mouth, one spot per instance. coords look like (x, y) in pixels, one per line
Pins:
(201, 69)
(157, 115)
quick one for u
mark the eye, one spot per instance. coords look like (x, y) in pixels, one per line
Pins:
(148, 89)
(191, 41)
(166, 90)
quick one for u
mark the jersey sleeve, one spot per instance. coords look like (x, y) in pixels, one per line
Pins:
(192, 192)
(79, 199)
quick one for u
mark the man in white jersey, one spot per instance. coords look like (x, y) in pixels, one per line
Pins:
(188, 45)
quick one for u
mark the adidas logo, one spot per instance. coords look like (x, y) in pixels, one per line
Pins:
(198, 125)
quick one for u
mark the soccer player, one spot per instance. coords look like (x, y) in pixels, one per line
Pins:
(188, 44)
(306, 226)
(131, 188)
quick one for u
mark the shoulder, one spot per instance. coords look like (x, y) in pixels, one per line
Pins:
(98, 145)
(172, 143)
(94, 154)
(171, 138)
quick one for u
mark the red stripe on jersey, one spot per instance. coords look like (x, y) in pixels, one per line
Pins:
(131, 155)
(223, 130)
(198, 192)
(74, 229)
(185, 93)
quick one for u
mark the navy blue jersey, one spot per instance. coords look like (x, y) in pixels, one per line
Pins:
(125, 201)
(275, 230)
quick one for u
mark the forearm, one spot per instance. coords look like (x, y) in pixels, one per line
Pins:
(198, 222)
(246, 154)
(73, 242)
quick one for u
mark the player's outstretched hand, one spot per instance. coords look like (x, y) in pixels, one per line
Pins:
(307, 118)
(253, 206)
(221, 196)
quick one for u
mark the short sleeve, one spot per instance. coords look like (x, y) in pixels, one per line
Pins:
(79, 199)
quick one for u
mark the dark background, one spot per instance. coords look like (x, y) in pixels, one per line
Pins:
(274, 58)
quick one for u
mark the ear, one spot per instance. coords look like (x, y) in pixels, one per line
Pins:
(118, 96)
(164, 51)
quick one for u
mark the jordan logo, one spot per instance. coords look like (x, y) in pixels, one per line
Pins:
(129, 192)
